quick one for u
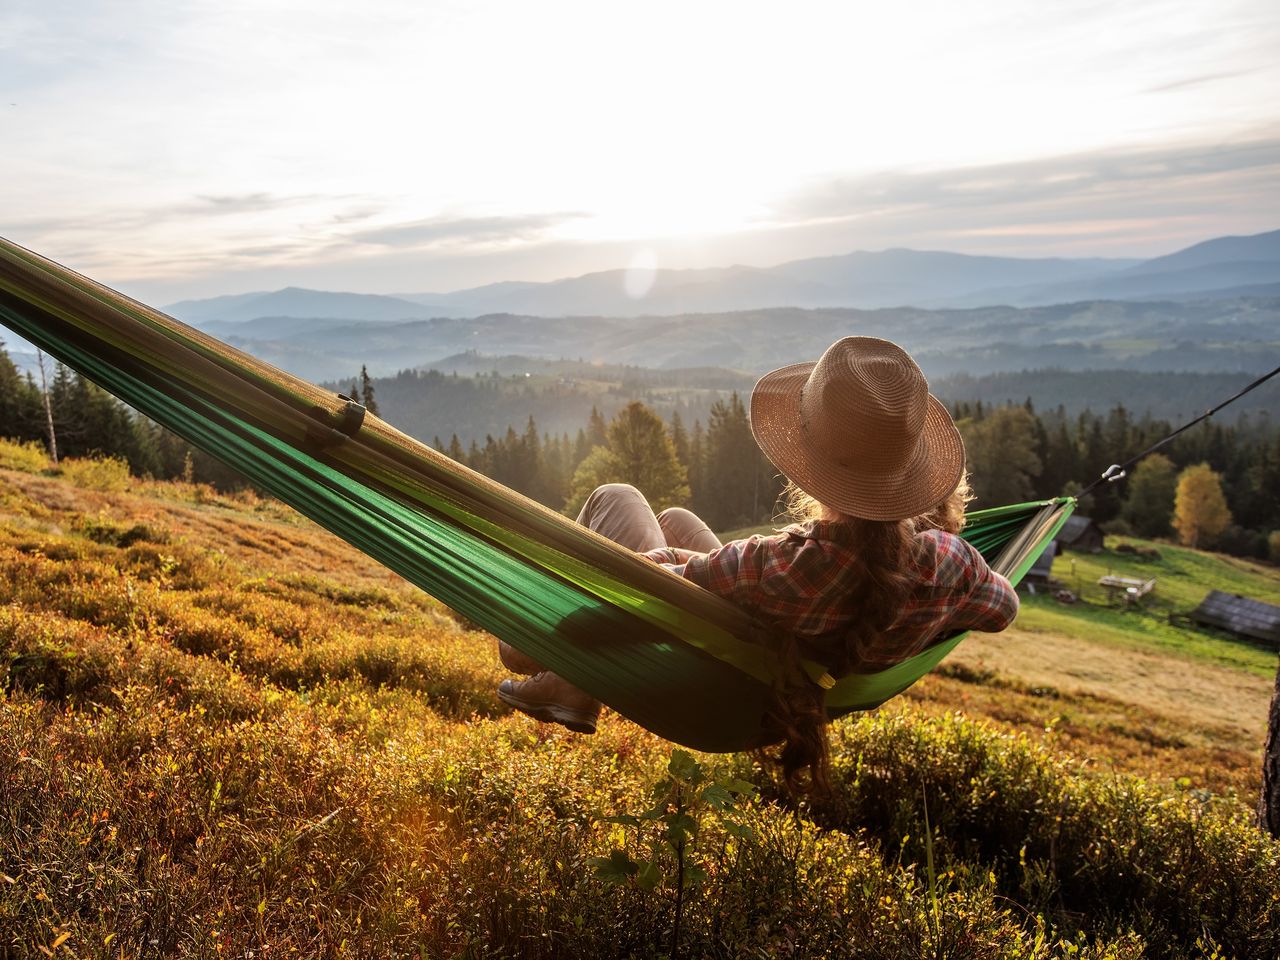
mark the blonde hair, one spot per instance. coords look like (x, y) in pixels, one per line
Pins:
(948, 515)
(880, 582)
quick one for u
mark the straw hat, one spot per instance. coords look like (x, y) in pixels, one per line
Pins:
(859, 431)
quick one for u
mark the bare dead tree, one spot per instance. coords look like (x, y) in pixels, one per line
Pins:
(48, 410)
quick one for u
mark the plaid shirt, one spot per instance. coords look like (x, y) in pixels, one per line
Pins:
(795, 580)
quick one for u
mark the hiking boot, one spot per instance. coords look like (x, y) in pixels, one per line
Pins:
(552, 699)
(518, 662)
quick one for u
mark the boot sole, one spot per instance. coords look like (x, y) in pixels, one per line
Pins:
(551, 713)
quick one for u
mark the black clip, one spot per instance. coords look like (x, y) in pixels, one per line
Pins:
(350, 419)
(352, 416)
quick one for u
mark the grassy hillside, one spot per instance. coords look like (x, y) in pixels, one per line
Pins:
(1183, 579)
(222, 731)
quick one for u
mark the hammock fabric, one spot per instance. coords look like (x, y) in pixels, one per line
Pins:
(668, 655)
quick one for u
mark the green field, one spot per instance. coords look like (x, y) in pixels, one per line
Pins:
(1183, 579)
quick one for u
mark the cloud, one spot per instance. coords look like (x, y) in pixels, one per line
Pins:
(238, 203)
(1198, 81)
(1063, 181)
(1137, 200)
(462, 231)
(356, 214)
(124, 219)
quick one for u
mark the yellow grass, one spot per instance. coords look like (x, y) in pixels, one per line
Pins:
(226, 730)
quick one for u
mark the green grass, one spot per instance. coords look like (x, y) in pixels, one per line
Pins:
(1183, 578)
(1142, 630)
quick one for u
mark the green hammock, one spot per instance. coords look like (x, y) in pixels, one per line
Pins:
(672, 657)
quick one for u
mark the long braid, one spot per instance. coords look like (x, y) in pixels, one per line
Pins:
(880, 580)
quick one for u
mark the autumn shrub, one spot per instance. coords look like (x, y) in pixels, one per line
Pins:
(107, 474)
(203, 759)
(100, 529)
(345, 815)
(29, 457)
(51, 656)
(1109, 853)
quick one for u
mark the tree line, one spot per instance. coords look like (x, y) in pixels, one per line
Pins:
(1016, 453)
(73, 417)
(717, 470)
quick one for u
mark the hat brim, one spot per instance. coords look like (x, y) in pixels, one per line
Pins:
(915, 487)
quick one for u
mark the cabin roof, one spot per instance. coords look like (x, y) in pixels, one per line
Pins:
(1076, 527)
(1240, 615)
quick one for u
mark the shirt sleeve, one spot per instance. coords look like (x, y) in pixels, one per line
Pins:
(663, 555)
(988, 601)
(733, 571)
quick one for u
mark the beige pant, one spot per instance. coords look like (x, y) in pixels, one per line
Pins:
(620, 512)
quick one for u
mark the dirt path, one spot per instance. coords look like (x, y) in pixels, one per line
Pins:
(1209, 705)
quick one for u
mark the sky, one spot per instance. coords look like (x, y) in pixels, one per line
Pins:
(189, 148)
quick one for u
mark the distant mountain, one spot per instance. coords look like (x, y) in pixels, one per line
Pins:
(1228, 266)
(297, 302)
(862, 279)
(1261, 247)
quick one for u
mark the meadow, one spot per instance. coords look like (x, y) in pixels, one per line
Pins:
(225, 733)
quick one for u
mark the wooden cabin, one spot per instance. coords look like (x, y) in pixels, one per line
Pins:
(1250, 619)
(1080, 534)
(1037, 577)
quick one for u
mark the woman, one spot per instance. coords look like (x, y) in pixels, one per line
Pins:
(871, 574)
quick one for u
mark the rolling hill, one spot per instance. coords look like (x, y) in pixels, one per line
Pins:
(1205, 336)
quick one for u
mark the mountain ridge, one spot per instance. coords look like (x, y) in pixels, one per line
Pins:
(896, 277)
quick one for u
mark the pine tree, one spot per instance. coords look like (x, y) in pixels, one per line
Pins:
(1060, 461)
(697, 464)
(739, 485)
(526, 466)
(640, 453)
(581, 447)
(679, 439)
(19, 401)
(597, 430)
(53, 398)
(1001, 455)
(366, 391)
(555, 467)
